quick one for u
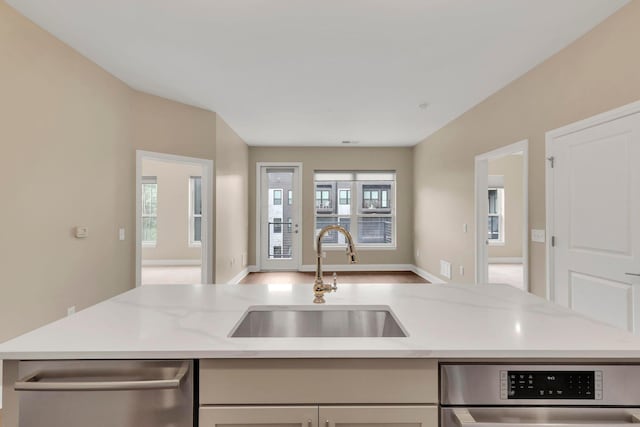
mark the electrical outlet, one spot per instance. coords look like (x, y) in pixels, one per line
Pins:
(71, 310)
(461, 270)
(417, 253)
(121, 233)
(465, 228)
(537, 236)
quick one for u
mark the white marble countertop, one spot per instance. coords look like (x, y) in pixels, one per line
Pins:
(443, 321)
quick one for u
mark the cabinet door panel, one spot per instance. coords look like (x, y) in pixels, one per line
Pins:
(378, 416)
(259, 416)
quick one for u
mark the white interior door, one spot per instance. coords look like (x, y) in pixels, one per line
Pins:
(596, 221)
(482, 209)
(280, 215)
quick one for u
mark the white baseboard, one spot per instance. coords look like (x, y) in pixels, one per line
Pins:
(505, 260)
(238, 277)
(428, 276)
(359, 267)
(171, 262)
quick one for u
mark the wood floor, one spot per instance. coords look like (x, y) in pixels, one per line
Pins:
(296, 277)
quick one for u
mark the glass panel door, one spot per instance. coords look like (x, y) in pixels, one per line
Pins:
(279, 218)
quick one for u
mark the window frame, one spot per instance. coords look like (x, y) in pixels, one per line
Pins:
(277, 222)
(356, 212)
(148, 180)
(277, 201)
(192, 215)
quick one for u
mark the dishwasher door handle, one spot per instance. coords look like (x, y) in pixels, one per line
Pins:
(33, 382)
(465, 419)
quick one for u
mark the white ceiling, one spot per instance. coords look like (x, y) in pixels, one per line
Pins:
(304, 72)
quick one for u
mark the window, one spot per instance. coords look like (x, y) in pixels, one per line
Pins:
(277, 225)
(289, 225)
(323, 197)
(290, 197)
(370, 219)
(496, 216)
(277, 251)
(344, 197)
(277, 197)
(195, 211)
(149, 210)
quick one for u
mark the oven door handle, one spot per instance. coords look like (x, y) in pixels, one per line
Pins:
(34, 382)
(465, 419)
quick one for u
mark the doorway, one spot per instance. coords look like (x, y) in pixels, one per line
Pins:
(279, 216)
(593, 206)
(501, 201)
(174, 205)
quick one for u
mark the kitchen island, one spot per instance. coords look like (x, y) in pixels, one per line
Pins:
(443, 324)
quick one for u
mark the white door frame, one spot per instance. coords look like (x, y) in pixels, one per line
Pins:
(259, 166)
(207, 208)
(550, 137)
(481, 177)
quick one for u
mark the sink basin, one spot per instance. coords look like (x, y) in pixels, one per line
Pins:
(315, 321)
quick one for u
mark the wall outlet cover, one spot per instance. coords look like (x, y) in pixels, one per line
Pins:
(538, 236)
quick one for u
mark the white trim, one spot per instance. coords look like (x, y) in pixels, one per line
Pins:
(171, 262)
(428, 276)
(253, 269)
(481, 166)
(238, 277)
(258, 230)
(207, 209)
(505, 260)
(359, 267)
(550, 136)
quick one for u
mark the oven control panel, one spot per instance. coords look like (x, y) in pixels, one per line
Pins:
(551, 385)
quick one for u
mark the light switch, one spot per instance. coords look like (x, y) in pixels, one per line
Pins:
(82, 232)
(537, 236)
(121, 233)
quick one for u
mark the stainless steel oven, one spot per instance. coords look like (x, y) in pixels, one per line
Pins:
(540, 395)
(101, 393)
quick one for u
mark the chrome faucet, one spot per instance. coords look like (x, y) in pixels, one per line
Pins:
(319, 287)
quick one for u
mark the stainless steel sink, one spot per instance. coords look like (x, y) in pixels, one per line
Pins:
(314, 321)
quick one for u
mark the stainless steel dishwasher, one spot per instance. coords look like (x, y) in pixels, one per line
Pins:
(123, 393)
(540, 395)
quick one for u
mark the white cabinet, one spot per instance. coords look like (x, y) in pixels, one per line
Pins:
(259, 416)
(319, 416)
(318, 393)
(379, 416)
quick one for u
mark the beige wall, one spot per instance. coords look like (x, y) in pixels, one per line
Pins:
(597, 73)
(399, 159)
(65, 161)
(67, 157)
(510, 168)
(173, 210)
(232, 159)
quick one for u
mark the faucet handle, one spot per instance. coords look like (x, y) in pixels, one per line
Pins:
(334, 287)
